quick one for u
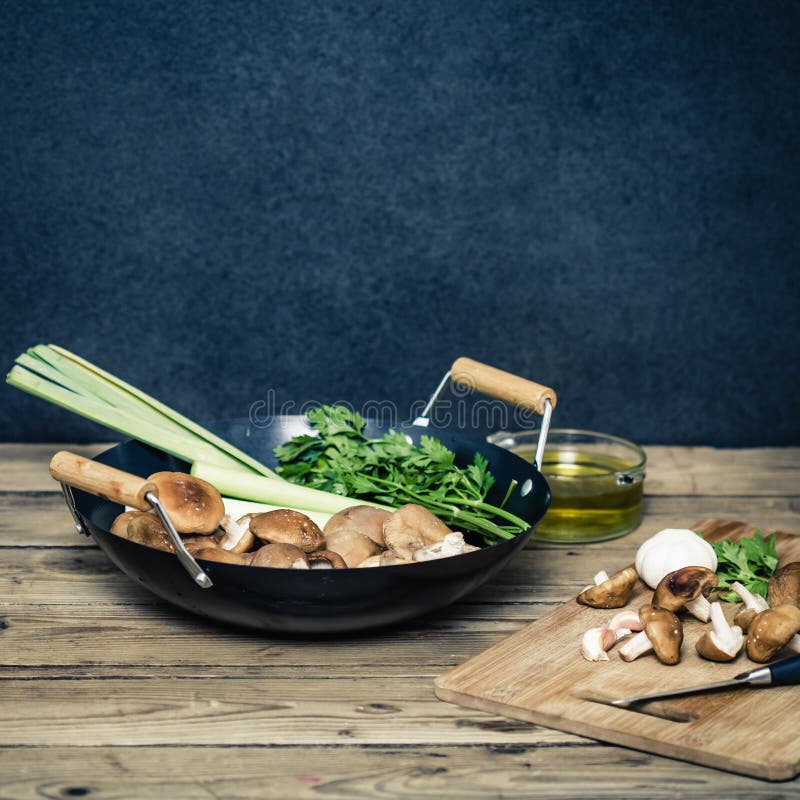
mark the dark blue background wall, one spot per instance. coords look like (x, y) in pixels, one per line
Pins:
(335, 200)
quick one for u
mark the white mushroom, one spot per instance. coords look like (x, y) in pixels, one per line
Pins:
(724, 641)
(670, 550)
(452, 545)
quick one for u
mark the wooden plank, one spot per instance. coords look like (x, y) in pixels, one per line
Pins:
(23, 467)
(517, 772)
(246, 711)
(686, 471)
(572, 694)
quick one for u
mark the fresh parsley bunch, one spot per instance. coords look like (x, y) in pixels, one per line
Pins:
(393, 471)
(751, 561)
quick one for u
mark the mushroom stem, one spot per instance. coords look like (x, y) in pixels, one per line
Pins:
(754, 602)
(700, 608)
(601, 577)
(635, 647)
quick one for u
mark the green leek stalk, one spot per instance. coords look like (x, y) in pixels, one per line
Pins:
(64, 379)
(231, 483)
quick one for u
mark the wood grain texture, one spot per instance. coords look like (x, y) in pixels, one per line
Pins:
(515, 772)
(537, 674)
(157, 699)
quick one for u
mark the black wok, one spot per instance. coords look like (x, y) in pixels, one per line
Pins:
(313, 601)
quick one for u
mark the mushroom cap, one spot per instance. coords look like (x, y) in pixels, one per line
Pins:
(119, 527)
(744, 616)
(771, 630)
(665, 632)
(285, 526)
(194, 544)
(411, 528)
(672, 549)
(710, 646)
(320, 559)
(223, 556)
(364, 519)
(279, 554)
(193, 505)
(683, 585)
(352, 546)
(612, 593)
(784, 585)
(147, 529)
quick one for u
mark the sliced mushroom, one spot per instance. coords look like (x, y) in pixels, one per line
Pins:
(411, 528)
(613, 592)
(325, 559)
(119, 527)
(193, 505)
(662, 633)
(363, 519)
(352, 546)
(194, 544)
(723, 642)
(771, 630)
(784, 586)
(687, 588)
(285, 526)
(237, 536)
(223, 556)
(751, 605)
(285, 556)
(452, 545)
(147, 529)
(385, 559)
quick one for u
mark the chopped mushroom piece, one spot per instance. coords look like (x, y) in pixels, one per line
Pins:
(770, 631)
(411, 528)
(285, 556)
(147, 529)
(237, 536)
(223, 556)
(119, 527)
(687, 588)
(364, 519)
(452, 545)
(613, 592)
(724, 641)
(752, 604)
(325, 559)
(662, 633)
(193, 505)
(352, 546)
(285, 526)
(784, 585)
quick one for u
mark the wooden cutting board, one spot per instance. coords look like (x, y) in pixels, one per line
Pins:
(538, 675)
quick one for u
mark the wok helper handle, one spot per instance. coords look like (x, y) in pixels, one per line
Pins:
(101, 480)
(502, 385)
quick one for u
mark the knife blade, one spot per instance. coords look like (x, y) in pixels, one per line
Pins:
(782, 673)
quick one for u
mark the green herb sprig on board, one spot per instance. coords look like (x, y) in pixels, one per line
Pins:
(393, 470)
(751, 561)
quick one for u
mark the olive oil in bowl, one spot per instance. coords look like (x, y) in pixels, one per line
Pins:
(596, 483)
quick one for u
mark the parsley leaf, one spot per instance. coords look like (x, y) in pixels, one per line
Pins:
(751, 561)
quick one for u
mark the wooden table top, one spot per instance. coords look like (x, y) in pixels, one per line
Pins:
(108, 692)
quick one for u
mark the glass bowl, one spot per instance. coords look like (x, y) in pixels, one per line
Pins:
(596, 481)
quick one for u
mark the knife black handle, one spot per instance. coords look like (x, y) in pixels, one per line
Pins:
(786, 672)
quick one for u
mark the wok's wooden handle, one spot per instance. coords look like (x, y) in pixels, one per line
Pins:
(102, 480)
(501, 385)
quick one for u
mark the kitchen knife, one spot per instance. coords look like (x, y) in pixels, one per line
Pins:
(782, 673)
